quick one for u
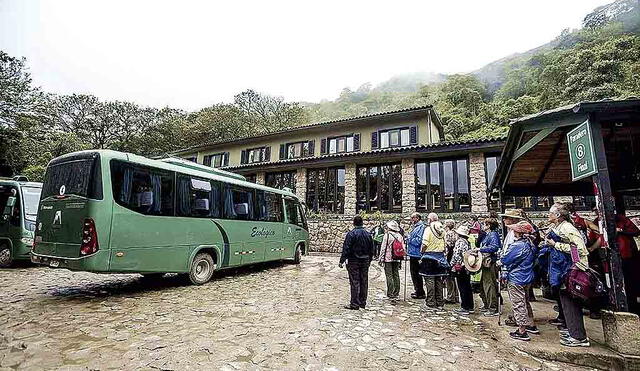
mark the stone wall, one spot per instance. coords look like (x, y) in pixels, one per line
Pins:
(478, 186)
(301, 184)
(350, 199)
(327, 232)
(260, 177)
(408, 186)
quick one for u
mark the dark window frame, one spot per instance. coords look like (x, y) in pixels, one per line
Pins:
(265, 153)
(338, 201)
(346, 140)
(208, 160)
(456, 195)
(399, 129)
(302, 152)
(281, 175)
(367, 206)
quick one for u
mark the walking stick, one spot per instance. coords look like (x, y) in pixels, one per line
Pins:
(405, 278)
(500, 297)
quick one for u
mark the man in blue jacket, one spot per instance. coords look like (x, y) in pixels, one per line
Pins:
(357, 251)
(414, 243)
(518, 259)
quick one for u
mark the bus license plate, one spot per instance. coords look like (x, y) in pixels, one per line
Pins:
(54, 263)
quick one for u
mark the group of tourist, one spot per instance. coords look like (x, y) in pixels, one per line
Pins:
(443, 258)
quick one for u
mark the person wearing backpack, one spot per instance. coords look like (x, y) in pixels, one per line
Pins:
(433, 264)
(392, 252)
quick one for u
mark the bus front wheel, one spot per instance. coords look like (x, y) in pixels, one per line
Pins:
(5, 256)
(297, 256)
(201, 269)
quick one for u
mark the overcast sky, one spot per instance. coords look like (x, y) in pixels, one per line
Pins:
(190, 54)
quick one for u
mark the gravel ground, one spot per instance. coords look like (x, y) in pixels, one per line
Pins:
(271, 316)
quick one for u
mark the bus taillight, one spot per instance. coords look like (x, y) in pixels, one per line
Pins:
(89, 238)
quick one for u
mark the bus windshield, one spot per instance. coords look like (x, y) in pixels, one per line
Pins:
(31, 198)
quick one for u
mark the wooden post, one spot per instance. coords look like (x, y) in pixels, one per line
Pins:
(607, 221)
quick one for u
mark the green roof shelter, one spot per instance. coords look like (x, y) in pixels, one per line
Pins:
(588, 148)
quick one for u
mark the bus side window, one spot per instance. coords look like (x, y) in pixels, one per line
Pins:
(143, 190)
(293, 213)
(269, 206)
(238, 203)
(197, 197)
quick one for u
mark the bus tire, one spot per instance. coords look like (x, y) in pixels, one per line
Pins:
(202, 269)
(297, 256)
(5, 255)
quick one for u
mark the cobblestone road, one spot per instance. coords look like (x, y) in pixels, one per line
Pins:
(274, 316)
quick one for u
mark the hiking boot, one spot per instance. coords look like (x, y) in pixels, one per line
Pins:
(417, 296)
(518, 336)
(490, 314)
(571, 342)
(556, 322)
(351, 307)
(533, 330)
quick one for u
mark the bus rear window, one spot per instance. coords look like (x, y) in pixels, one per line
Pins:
(80, 177)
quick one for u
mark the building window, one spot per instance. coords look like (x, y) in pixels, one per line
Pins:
(584, 203)
(250, 178)
(490, 166)
(216, 160)
(255, 155)
(341, 144)
(379, 188)
(325, 190)
(528, 203)
(297, 150)
(281, 180)
(443, 186)
(396, 137)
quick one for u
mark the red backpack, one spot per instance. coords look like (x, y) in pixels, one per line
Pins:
(397, 250)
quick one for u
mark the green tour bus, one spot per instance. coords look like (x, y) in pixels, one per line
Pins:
(19, 206)
(106, 211)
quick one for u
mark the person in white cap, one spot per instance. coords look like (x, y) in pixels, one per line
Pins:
(390, 263)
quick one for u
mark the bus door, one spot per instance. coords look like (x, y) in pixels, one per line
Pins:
(269, 232)
(294, 228)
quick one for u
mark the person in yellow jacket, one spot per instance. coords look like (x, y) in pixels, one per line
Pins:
(434, 262)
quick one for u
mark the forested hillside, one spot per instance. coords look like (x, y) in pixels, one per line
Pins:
(601, 60)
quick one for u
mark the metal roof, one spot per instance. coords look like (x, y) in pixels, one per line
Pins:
(377, 115)
(422, 148)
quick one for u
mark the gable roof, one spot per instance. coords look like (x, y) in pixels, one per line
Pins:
(403, 113)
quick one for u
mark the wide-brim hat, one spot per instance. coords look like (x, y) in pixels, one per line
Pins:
(513, 213)
(463, 230)
(521, 227)
(393, 225)
(472, 261)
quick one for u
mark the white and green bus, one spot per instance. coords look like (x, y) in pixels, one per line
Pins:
(18, 208)
(107, 211)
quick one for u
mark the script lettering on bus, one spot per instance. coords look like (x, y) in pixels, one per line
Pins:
(262, 232)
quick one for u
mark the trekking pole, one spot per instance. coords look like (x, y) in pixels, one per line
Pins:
(405, 278)
(500, 297)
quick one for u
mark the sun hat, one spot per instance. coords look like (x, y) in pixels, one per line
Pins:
(521, 227)
(463, 230)
(472, 260)
(513, 213)
(393, 225)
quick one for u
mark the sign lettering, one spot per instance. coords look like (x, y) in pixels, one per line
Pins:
(581, 155)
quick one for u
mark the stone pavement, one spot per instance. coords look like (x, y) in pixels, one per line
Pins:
(272, 316)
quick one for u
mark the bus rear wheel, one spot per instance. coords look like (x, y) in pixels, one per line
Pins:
(202, 269)
(5, 256)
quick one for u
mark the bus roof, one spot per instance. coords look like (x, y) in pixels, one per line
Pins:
(178, 168)
(20, 184)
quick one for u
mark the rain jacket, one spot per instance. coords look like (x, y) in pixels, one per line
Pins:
(415, 240)
(559, 262)
(358, 246)
(518, 262)
(490, 245)
(386, 250)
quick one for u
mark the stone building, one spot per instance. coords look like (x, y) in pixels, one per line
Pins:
(385, 165)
